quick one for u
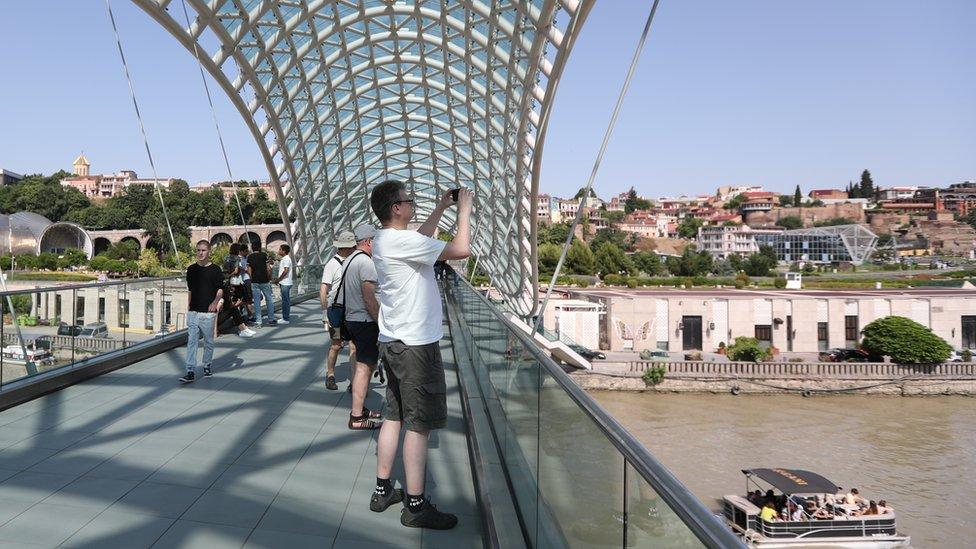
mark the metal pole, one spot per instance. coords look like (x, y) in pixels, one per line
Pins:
(596, 164)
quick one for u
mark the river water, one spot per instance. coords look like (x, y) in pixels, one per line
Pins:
(917, 453)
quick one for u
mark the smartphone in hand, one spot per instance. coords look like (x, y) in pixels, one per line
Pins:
(454, 194)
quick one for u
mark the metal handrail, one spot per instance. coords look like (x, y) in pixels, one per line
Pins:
(118, 282)
(692, 512)
(62, 287)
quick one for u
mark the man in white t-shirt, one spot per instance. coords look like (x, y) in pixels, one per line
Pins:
(410, 329)
(284, 281)
(345, 244)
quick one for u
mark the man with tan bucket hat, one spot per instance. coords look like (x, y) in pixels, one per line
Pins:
(345, 244)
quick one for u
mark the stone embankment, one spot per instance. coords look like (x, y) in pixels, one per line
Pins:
(808, 379)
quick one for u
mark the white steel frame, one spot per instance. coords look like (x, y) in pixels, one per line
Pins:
(343, 94)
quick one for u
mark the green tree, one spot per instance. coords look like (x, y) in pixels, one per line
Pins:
(790, 222)
(72, 257)
(42, 195)
(580, 259)
(735, 202)
(634, 202)
(610, 259)
(582, 190)
(785, 200)
(620, 239)
(648, 262)
(746, 349)
(124, 249)
(614, 217)
(148, 264)
(867, 185)
(797, 197)
(905, 341)
(834, 221)
(554, 234)
(690, 263)
(689, 227)
(760, 263)
(548, 257)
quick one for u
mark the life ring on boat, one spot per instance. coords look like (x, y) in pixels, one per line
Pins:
(735, 390)
(807, 393)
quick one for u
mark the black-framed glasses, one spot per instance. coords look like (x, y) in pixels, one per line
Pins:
(407, 200)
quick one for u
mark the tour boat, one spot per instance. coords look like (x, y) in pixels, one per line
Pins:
(814, 494)
(14, 354)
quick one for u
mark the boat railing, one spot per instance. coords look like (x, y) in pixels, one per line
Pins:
(854, 526)
(576, 476)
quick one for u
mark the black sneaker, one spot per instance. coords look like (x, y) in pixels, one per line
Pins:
(190, 377)
(379, 503)
(207, 371)
(330, 384)
(428, 517)
(349, 388)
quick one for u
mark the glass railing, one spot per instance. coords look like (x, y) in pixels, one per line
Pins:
(61, 327)
(578, 478)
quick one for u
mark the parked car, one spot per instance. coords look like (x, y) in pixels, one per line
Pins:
(588, 354)
(65, 329)
(655, 355)
(95, 329)
(960, 356)
(845, 355)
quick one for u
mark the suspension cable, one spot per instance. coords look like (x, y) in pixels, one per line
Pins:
(142, 128)
(213, 115)
(596, 164)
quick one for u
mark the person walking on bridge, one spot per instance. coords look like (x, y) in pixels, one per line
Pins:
(259, 269)
(357, 294)
(410, 330)
(345, 245)
(205, 281)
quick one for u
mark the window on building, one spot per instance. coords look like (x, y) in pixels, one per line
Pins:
(101, 309)
(124, 313)
(167, 312)
(850, 330)
(80, 310)
(150, 312)
(822, 336)
(764, 333)
(57, 306)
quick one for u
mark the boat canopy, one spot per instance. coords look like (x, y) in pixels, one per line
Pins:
(794, 481)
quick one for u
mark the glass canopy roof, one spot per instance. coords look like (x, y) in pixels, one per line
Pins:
(342, 95)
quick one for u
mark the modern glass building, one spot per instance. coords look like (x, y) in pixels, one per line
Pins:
(344, 94)
(838, 244)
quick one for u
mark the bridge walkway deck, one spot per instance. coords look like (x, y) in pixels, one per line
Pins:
(257, 456)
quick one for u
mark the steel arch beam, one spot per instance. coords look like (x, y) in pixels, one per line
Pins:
(347, 93)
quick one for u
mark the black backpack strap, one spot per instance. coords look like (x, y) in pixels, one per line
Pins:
(342, 281)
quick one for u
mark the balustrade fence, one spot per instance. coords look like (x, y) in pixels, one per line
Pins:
(820, 370)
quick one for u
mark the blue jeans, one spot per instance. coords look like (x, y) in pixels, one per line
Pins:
(285, 301)
(196, 324)
(259, 289)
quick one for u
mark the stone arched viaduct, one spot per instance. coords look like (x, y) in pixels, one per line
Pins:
(265, 236)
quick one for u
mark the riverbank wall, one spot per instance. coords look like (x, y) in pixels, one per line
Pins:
(808, 379)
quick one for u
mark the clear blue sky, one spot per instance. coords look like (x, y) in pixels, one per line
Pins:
(767, 92)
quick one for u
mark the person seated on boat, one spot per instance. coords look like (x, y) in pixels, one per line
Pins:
(768, 512)
(884, 508)
(854, 498)
(818, 513)
(792, 512)
(756, 498)
(872, 509)
(770, 496)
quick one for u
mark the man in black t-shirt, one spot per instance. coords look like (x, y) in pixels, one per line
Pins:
(259, 267)
(205, 282)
